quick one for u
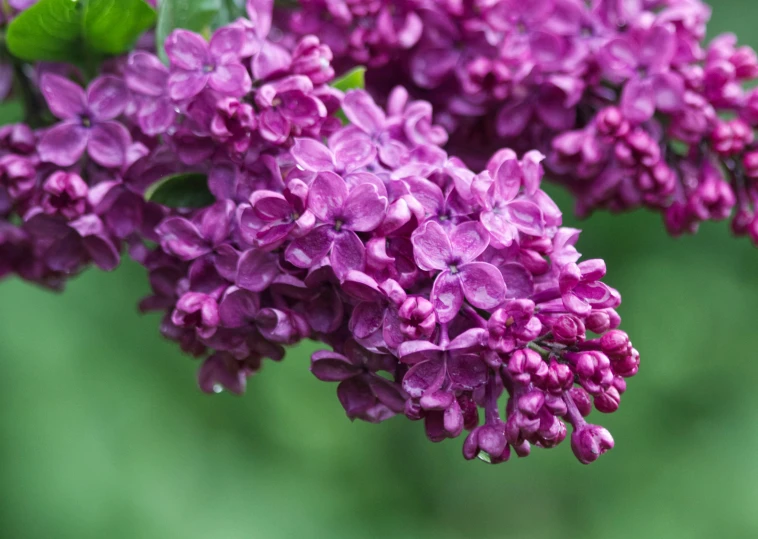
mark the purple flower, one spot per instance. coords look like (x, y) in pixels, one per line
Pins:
(287, 105)
(508, 215)
(191, 239)
(454, 255)
(589, 442)
(341, 213)
(65, 194)
(363, 393)
(196, 63)
(581, 289)
(644, 58)
(273, 217)
(147, 78)
(197, 311)
(87, 121)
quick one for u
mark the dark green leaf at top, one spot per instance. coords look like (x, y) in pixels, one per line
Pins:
(75, 30)
(112, 26)
(50, 30)
(186, 190)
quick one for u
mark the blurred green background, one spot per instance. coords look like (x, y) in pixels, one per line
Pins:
(104, 434)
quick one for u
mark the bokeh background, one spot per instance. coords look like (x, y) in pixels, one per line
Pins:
(104, 434)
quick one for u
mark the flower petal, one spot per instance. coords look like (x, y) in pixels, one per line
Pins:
(64, 143)
(187, 50)
(348, 253)
(424, 377)
(482, 285)
(180, 237)
(65, 99)
(102, 251)
(256, 270)
(466, 371)
(366, 319)
(364, 208)
(145, 74)
(327, 196)
(469, 240)
(306, 251)
(330, 366)
(186, 84)
(363, 112)
(311, 155)
(526, 216)
(238, 307)
(231, 79)
(499, 227)
(226, 43)
(447, 296)
(108, 143)
(431, 247)
(107, 97)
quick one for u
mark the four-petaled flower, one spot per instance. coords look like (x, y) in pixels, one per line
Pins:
(461, 276)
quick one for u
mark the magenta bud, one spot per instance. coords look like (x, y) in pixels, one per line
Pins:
(531, 403)
(568, 329)
(627, 365)
(581, 399)
(611, 122)
(608, 402)
(418, 318)
(526, 363)
(615, 343)
(589, 442)
(559, 378)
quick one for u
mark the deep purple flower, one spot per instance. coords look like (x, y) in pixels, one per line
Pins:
(363, 393)
(65, 194)
(87, 121)
(147, 78)
(286, 105)
(455, 254)
(342, 213)
(196, 63)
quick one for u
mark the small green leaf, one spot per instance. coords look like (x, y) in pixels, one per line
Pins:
(11, 112)
(112, 26)
(72, 30)
(50, 30)
(355, 78)
(195, 15)
(185, 190)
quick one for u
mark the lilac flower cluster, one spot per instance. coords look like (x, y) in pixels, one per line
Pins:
(627, 105)
(439, 290)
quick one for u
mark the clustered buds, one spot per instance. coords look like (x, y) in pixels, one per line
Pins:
(628, 105)
(438, 290)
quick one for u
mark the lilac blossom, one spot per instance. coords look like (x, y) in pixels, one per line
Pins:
(88, 121)
(196, 64)
(437, 290)
(629, 104)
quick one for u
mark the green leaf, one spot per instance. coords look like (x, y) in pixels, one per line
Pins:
(11, 112)
(195, 15)
(50, 30)
(72, 30)
(185, 190)
(355, 78)
(112, 26)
